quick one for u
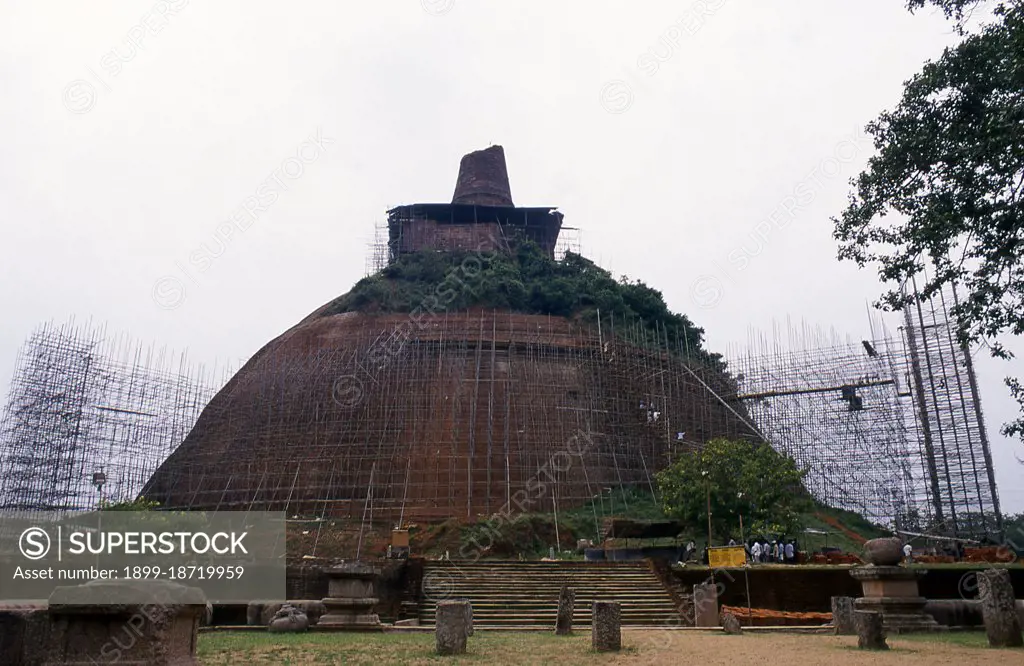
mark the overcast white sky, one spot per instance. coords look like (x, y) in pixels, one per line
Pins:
(131, 131)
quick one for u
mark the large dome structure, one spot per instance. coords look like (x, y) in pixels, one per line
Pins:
(474, 374)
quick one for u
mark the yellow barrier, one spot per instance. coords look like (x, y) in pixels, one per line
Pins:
(726, 556)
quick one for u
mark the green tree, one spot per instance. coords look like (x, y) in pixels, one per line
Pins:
(941, 201)
(740, 478)
(1013, 527)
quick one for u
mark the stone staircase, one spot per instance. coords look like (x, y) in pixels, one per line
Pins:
(525, 594)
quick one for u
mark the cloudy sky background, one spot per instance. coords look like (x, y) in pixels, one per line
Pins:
(666, 136)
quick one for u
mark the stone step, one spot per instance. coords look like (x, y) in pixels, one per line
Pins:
(539, 593)
(583, 612)
(536, 580)
(509, 608)
(508, 579)
(548, 616)
(483, 614)
(540, 577)
(539, 569)
(541, 583)
(652, 621)
(547, 585)
(525, 594)
(526, 575)
(477, 599)
(538, 599)
(546, 572)
(546, 590)
(570, 571)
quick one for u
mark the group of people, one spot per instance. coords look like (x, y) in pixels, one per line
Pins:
(775, 552)
(759, 551)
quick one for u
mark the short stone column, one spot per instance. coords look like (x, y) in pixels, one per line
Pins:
(566, 606)
(606, 626)
(452, 625)
(870, 631)
(998, 608)
(351, 597)
(842, 616)
(705, 605)
(469, 616)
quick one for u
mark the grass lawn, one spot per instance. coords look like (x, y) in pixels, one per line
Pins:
(970, 639)
(639, 647)
(503, 647)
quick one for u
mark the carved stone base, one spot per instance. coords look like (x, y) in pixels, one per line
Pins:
(892, 591)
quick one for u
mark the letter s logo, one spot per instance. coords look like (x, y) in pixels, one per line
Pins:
(34, 543)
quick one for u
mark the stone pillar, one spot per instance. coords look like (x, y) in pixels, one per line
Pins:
(452, 625)
(469, 615)
(998, 608)
(606, 626)
(842, 616)
(566, 606)
(870, 634)
(705, 605)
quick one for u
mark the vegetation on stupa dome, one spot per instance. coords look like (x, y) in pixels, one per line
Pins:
(524, 281)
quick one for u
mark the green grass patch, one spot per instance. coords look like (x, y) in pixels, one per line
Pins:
(257, 649)
(970, 639)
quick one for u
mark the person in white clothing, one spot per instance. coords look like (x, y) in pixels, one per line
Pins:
(755, 552)
(908, 552)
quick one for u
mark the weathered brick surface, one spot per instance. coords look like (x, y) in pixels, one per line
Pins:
(483, 179)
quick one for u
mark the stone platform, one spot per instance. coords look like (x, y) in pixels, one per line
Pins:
(351, 598)
(893, 592)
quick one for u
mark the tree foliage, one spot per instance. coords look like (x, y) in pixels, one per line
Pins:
(1013, 528)
(958, 10)
(941, 202)
(526, 280)
(741, 479)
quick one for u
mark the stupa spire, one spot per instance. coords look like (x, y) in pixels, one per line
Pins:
(483, 179)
